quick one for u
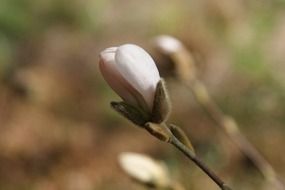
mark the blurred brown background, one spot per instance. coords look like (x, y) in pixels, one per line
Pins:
(57, 130)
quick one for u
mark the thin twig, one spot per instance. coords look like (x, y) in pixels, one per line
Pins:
(186, 71)
(230, 127)
(174, 141)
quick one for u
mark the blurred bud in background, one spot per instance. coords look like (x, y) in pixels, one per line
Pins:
(145, 170)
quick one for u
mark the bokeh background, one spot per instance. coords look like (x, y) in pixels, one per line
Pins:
(57, 131)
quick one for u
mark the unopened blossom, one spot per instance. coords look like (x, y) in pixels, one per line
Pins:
(145, 169)
(168, 44)
(182, 58)
(131, 73)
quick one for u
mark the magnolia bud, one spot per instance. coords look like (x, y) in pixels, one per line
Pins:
(131, 73)
(168, 44)
(183, 59)
(144, 169)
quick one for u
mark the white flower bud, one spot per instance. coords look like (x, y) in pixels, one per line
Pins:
(168, 44)
(131, 73)
(144, 169)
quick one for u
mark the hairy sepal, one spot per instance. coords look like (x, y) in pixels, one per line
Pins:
(132, 113)
(161, 105)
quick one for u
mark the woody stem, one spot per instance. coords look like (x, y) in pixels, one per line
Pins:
(186, 151)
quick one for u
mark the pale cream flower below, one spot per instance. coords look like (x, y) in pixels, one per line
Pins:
(145, 169)
(168, 44)
(131, 73)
